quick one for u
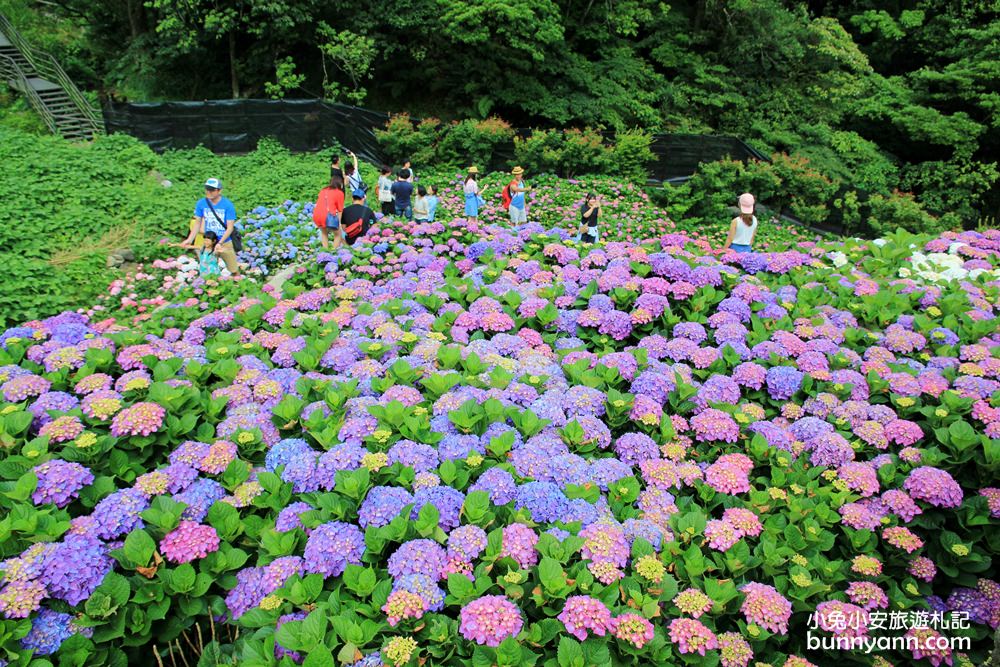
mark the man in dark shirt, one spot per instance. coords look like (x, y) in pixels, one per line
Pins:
(401, 191)
(357, 218)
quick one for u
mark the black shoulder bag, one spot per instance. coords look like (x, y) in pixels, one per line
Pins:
(235, 236)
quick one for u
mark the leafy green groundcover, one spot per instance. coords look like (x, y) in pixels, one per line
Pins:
(465, 444)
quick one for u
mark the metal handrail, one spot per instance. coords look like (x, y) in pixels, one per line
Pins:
(10, 70)
(50, 69)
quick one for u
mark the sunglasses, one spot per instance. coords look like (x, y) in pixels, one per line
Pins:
(211, 189)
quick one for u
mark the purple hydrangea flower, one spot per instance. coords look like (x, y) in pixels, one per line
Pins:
(332, 546)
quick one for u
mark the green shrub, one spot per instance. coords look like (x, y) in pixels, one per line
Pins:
(631, 155)
(402, 139)
(900, 210)
(475, 142)
(537, 152)
(567, 153)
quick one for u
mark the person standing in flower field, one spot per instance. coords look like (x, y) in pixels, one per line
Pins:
(421, 209)
(352, 174)
(432, 203)
(513, 197)
(215, 213)
(590, 213)
(327, 211)
(402, 192)
(335, 169)
(357, 218)
(743, 228)
(385, 190)
(208, 261)
(473, 194)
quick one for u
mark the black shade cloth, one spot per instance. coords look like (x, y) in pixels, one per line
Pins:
(235, 126)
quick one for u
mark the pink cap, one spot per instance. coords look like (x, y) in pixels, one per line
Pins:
(746, 203)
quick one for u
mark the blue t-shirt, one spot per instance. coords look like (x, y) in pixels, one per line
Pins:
(226, 212)
(517, 198)
(432, 205)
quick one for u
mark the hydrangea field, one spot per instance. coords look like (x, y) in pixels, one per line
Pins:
(460, 443)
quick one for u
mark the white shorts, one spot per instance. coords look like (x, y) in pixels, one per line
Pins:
(518, 216)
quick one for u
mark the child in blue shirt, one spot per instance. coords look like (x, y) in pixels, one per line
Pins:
(432, 202)
(208, 261)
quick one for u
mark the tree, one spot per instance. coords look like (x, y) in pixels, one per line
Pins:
(353, 54)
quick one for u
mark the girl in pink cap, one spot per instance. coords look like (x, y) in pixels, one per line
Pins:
(743, 228)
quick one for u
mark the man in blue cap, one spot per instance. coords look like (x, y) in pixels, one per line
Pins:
(357, 218)
(215, 213)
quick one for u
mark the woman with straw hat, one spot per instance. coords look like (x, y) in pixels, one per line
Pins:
(515, 192)
(473, 195)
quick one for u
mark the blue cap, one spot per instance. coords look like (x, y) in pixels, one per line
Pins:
(213, 183)
(358, 194)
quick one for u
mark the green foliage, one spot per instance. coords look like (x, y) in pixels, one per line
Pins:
(286, 79)
(631, 155)
(473, 141)
(900, 210)
(353, 54)
(77, 202)
(876, 97)
(402, 139)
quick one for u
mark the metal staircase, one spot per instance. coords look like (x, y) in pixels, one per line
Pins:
(45, 85)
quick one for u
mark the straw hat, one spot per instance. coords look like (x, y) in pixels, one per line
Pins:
(516, 171)
(473, 170)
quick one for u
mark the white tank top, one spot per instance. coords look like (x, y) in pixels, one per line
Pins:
(744, 232)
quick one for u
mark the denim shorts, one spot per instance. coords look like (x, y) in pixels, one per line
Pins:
(406, 212)
(739, 247)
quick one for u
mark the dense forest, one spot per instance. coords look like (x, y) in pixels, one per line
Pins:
(882, 95)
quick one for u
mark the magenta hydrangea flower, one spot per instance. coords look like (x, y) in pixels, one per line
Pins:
(62, 429)
(923, 568)
(842, 619)
(519, 543)
(721, 535)
(766, 607)
(725, 477)
(605, 542)
(713, 425)
(490, 619)
(743, 520)
(401, 605)
(140, 419)
(693, 602)
(934, 486)
(691, 636)
(902, 538)
(189, 541)
(582, 614)
(734, 650)
(867, 595)
(929, 644)
(632, 628)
